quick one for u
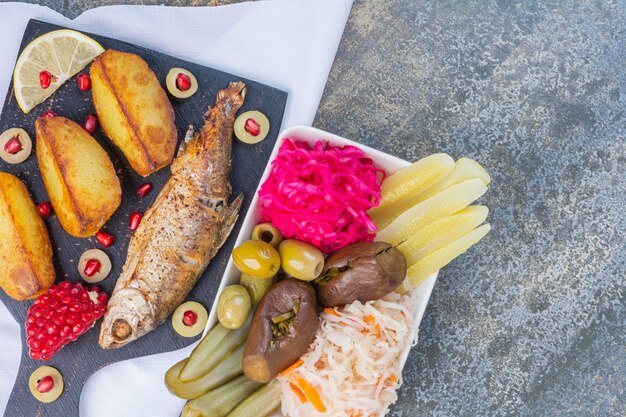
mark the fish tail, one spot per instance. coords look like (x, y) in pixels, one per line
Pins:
(235, 94)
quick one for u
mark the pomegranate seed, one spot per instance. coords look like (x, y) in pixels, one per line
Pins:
(45, 78)
(48, 114)
(84, 82)
(13, 146)
(183, 82)
(252, 126)
(135, 219)
(144, 189)
(92, 266)
(189, 318)
(49, 328)
(44, 209)
(104, 238)
(90, 124)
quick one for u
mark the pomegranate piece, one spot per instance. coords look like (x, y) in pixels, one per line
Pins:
(135, 219)
(183, 82)
(45, 78)
(90, 124)
(144, 189)
(45, 384)
(84, 81)
(104, 238)
(44, 209)
(13, 146)
(48, 114)
(189, 318)
(92, 267)
(252, 127)
(61, 316)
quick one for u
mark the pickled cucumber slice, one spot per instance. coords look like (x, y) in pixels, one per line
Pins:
(464, 169)
(438, 206)
(430, 264)
(440, 232)
(413, 180)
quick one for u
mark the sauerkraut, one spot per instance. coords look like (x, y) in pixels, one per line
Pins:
(352, 368)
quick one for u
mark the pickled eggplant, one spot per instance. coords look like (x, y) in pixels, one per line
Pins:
(283, 327)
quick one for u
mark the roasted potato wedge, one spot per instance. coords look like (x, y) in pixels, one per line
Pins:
(134, 111)
(26, 269)
(79, 176)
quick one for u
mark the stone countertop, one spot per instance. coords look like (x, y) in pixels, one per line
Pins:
(532, 321)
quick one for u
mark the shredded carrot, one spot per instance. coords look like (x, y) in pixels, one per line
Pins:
(393, 378)
(369, 320)
(331, 311)
(377, 328)
(378, 380)
(309, 392)
(298, 392)
(293, 366)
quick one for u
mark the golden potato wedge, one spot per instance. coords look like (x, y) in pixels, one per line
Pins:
(134, 111)
(26, 269)
(79, 176)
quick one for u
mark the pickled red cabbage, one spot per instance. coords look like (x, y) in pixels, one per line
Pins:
(321, 195)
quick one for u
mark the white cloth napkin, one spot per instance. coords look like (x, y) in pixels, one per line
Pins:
(289, 44)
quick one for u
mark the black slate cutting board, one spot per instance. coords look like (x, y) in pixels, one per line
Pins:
(78, 360)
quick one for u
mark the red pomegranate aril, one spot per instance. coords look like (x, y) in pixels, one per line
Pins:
(46, 337)
(84, 82)
(90, 124)
(183, 82)
(92, 267)
(135, 219)
(252, 126)
(13, 146)
(44, 209)
(104, 238)
(190, 318)
(45, 78)
(144, 189)
(48, 114)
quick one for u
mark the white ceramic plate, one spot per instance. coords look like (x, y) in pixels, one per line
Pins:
(388, 162)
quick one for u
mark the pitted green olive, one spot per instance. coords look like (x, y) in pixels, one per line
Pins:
(267, 233)
(301, 260)
(233, 306)
(257, 259)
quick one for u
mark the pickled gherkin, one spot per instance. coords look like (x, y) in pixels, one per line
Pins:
(220, 401)
(222, 373)
(218, 343)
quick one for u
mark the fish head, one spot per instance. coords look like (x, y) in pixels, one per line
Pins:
(129, 316)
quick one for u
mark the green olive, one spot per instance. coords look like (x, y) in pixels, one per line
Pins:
(257, 259)
(233, 306)
(267, 233)
(301, 260)
(256, 287)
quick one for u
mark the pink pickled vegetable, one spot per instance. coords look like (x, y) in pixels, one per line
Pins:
(322, 195)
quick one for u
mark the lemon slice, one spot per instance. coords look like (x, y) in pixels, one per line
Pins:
(62, 53)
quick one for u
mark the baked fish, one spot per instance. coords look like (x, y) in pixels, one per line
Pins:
(182, 231)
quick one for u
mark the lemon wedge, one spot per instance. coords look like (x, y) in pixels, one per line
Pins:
(62, 53)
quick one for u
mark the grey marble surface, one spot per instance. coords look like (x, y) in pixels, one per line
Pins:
(531, 322)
